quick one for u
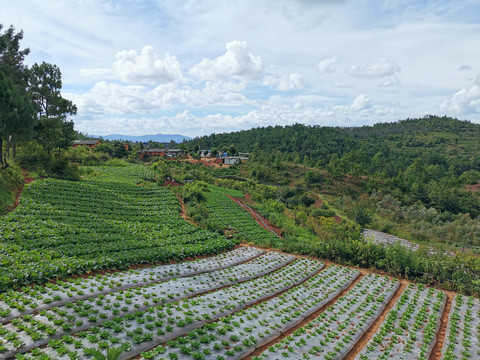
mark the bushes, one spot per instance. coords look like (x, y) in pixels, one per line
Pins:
(56, 166)
(10, 180)
(195, 192)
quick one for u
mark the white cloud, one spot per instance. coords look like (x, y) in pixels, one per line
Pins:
(377, 68)
(327, 65)
(360, 102)
(389, 81)
(110, 98)
(465, 102)
(146, 67)
(236, 63)
(289, 82)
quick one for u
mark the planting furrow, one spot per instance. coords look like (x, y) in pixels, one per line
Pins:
(332, 334)
(15, 303)
(236, 336)
(145, 329)
(410, 328)
(31, 331)
(462, 340)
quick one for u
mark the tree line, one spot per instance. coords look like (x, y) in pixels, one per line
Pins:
(31, 104)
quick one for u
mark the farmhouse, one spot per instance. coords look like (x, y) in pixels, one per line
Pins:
(160, 152)
(89, 143)
(152, 152)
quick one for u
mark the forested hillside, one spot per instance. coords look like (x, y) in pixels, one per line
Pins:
(382, 148)
(417, 178)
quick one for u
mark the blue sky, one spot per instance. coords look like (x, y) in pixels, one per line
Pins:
(197, 67)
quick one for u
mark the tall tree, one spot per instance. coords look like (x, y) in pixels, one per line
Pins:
(51, 129)
(16, 111)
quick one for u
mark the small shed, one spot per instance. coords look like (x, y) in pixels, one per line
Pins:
(174, 152)
(231, 160)
(90, 143)
(244, 156)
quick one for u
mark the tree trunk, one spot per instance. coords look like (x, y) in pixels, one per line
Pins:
(1, 152)
(14, 147)
(7, 151)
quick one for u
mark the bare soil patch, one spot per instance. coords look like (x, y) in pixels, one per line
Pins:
(436, 353)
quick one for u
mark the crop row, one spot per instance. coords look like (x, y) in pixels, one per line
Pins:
(32, 331)
(462, 340)
(40, 297)
(332, 334)
(61, 228)
(409, 330)
(236, 217)
(237, 335)
(146, 328)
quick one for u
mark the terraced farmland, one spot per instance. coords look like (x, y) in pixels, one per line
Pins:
(244, 303)
(62, 228)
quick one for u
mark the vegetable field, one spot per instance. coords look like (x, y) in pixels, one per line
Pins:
(234, 217)
(236, 303)
(110, 221)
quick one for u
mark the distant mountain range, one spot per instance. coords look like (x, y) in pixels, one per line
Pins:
(163, 138)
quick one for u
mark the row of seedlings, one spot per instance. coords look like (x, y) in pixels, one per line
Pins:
(462, 339)
(40, 297)
(31, 331)
(410, 328)
(334, 333)
(145, 329)
(238, 335)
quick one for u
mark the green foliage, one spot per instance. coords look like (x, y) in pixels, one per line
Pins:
(195, 192)
(48, 165)
(84, 155)
(111, 354)
(470, 177)
(10, 181)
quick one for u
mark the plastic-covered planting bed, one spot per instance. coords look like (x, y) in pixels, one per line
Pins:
(462, 339)
(30, 331)
(332, 334)
(236, 336)
(146, 329)
(16, 303)
(410, 328)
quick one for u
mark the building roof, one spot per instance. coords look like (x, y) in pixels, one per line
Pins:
(153, 150)
(86, 142)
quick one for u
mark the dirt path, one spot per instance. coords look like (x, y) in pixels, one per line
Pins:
(264, 223)
(183, 213)
(436, 353)
(377, 324)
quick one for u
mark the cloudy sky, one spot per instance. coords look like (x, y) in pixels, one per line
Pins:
(196, 67)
